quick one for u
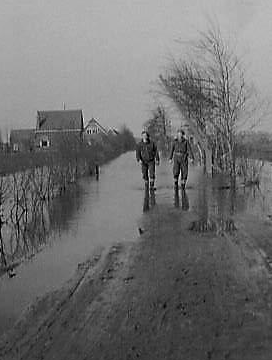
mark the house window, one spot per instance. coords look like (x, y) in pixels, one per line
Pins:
(93, 130)
(15, 147)
(44, 143)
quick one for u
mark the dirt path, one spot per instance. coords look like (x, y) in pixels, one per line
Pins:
(175, 294)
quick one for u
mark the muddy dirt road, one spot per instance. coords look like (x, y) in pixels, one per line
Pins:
(196, 284)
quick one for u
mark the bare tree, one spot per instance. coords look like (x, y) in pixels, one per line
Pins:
(209, 87)
(159, 127)
(4, 193)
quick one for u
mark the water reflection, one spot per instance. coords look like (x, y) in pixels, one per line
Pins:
(62, 209)
(176, 197)
(213, 225)
(217, 205)
(27, 234)
(152, 198)
(149, 199)
(184, 200)
(146, 199)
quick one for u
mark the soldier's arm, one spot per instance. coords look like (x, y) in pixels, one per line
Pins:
(138, 152)
(172, 151)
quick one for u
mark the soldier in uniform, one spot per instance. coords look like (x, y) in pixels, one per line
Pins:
(147, 154)
(180, 152)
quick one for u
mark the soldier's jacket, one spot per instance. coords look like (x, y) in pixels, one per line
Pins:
(181, 148)
(147, 151)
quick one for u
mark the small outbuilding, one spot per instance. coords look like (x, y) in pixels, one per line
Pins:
(22, 140)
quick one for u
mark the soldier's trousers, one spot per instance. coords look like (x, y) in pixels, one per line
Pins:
(148, 170)
(180, 167)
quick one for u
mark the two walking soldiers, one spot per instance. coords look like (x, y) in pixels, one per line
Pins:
(147, 154)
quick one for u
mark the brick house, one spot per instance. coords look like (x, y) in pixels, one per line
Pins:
(55, 128)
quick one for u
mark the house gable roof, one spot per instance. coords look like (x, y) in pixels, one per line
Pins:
(20, 135)
(113, 131)
(60, 120)
(94, 122)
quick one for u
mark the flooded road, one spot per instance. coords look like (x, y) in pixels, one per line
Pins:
(100, 213)
(96, 214)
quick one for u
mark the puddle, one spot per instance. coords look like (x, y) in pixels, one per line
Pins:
(213, 226)
(149, 199)
(181, 199)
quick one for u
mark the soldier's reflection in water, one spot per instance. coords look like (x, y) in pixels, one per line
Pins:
(149, 199)
(146, 199)
(176, 197)
(184, 199)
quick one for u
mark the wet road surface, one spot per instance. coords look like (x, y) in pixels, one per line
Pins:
(199, 271)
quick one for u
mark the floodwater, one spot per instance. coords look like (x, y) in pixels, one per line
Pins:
(94, 215)
(99, 213)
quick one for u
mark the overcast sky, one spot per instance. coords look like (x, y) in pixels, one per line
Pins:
(103, 55)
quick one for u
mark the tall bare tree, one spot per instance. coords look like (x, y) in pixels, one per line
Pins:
(159, 127)
(209, 87)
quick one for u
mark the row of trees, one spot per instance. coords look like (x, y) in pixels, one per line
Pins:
(210, 89)
(69, 148)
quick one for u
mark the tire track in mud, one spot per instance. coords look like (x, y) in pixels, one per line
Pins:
(39, 327)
